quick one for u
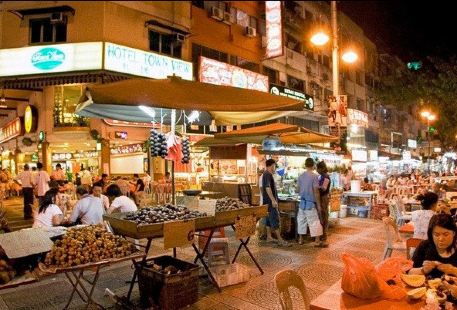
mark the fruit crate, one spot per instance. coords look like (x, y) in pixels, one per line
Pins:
(167, 291)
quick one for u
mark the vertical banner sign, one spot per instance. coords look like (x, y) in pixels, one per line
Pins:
(245, 226)
(337, 114)
(356, 117)
(178, 234)
(273, 29)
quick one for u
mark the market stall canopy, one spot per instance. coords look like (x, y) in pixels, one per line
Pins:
(227, 105)
(288, 134)
(210, 141)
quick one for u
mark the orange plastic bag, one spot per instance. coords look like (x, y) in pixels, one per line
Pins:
(359, 277)
(389, 272)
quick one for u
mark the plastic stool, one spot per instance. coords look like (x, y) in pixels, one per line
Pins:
(218, 242)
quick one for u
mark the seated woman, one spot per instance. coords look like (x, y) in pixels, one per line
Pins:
(421, 218)
(49, 213)
(437, 255)
(119, 202)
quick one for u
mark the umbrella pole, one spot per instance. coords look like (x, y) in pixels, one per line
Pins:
(173, 189)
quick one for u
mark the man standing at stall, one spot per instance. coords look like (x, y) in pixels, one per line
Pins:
(324, 192)
(310, 205)
(41, 182)
(26, 179)
(270, 197)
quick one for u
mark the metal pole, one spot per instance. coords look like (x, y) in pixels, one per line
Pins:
(429, 147)
(335, 60)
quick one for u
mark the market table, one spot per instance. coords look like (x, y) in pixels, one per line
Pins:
(76, 277)
(408, 228)
(335, 298)
(130, 229)
(367, 204)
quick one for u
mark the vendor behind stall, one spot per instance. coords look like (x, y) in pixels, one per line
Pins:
(119, 202)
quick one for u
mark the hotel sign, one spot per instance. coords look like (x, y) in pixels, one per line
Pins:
(11, 130)
(137, 62)
(51, 58)
(220, 73)
(273, 29)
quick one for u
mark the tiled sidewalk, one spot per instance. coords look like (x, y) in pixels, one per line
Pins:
(320, 268)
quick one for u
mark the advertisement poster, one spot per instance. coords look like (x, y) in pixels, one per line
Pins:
(356, 117)
(337, 114)
(220, 73)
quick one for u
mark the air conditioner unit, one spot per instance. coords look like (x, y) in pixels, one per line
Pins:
(180, 38)
(229, 18)
(217, 13)
(250, 32)
(58, 18)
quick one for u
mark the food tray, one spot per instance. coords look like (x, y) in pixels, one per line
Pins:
(127, 228)
(225, 218)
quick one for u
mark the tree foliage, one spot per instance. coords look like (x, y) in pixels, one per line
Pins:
(434, 86)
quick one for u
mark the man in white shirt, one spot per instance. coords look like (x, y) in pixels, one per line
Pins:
(86, 178)
(88, 209)
(26, 179)
(58, 174)
(41, 182)
(97, 192)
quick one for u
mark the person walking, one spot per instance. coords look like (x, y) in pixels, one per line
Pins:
(270, 197)
(324, 193)
(41, 182)
(310, 205)
(26, 179)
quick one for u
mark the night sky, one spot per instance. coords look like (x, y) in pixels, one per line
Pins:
(408, 29)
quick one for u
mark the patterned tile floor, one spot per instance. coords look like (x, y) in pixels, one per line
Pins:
(319, 268)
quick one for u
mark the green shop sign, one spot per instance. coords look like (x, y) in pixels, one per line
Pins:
(48, 58)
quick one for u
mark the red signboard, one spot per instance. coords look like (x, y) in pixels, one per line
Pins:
(11, 130)
(220, 73)
(274, 29)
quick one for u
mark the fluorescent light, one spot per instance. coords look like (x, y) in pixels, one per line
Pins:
(194, 115)
(148, 110)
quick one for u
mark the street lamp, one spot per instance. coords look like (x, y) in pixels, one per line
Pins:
(321, 38)
(429, 117)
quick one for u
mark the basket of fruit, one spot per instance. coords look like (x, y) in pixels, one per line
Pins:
(166, 282)
(228, 209)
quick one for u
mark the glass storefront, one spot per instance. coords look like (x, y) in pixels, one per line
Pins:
(65, 101)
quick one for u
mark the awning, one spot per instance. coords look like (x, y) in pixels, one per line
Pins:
(227, 105)
(210, 141)
(288, 134)
(40, 11)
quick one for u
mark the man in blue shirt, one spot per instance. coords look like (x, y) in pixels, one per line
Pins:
(308, 216)
(270, 197)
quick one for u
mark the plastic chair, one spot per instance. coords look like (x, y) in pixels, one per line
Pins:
(401, 218)
(286, 279)
(390, 244)
(411, 243)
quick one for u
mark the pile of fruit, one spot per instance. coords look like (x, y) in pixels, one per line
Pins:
(185, 151)
(162, 214)
(432, 289)
(87, 245)
(7, 272)
(228, 204)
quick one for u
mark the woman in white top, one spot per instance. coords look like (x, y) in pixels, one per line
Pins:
(421, 218)
(49, 213)
(119, 202)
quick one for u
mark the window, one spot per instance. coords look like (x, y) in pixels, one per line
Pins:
(295, 83)
(326, 61)
(199, 50)
(66, 99)
(43, 31)
(164, 43)
(246, 64)
(271, 73)
(252, 22)
(358, 77)
(199, 4)
(361, 104)
(309, 15)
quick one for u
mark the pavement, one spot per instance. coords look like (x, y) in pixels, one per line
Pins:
(320, 268)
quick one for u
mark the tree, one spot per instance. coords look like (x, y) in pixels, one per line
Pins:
(434, 86)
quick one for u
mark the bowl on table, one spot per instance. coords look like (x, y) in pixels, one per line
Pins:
(191, 192)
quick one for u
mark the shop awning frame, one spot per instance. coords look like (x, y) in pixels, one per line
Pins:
(40, 11)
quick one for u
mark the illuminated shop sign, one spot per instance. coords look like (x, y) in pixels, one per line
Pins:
(356, 117)
(359, 155)
(308, 101)
(30, 119)
(120, 134)
(220, 73)
(11, 130)
(137, 62)
(128, 149)
(51, 58)
(273, 29)
(412, 143)
(113, 122)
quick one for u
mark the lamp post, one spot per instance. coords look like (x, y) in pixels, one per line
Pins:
(321, 38)
(429, 117)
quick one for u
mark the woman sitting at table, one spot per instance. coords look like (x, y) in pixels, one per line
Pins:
(437, 255)
(49, 213)
(421, 218)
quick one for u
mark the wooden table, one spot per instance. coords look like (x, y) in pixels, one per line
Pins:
(335, 298)
(408, 228)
